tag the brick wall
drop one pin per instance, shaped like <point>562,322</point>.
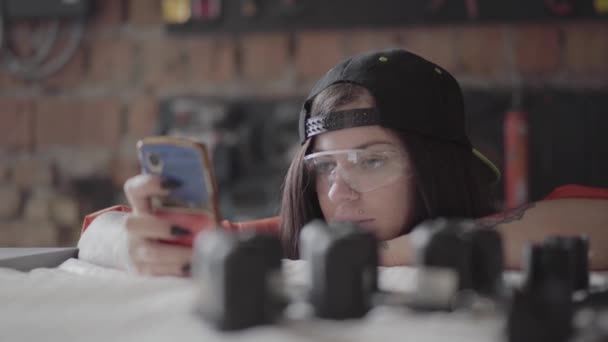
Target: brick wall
<point>82,122</point>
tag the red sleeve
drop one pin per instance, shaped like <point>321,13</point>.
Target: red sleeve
<point>267,225</point>
<point>577,191</point>
<point>89,218</point>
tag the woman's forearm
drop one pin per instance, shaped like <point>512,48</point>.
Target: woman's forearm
<point>530,223</point>
<point>536,221</point>
<point>104,242</point>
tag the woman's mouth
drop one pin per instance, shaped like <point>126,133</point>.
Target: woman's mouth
<point>362,222</point>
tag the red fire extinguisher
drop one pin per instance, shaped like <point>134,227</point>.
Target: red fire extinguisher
<point>516,158</point>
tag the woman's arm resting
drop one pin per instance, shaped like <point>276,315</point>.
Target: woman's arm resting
<point>531,223</point>
<point>535,221</point>
<point>104,242</point>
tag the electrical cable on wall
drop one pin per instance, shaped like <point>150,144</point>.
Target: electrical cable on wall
<point>45,44</point>
<point>40,65</point>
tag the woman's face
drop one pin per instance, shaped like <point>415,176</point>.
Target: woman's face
<point>386,209</point>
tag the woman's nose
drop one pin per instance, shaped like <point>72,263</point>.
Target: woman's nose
<point>341,191</point>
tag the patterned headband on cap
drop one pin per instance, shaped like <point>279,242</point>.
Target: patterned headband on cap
<point>341,119</point>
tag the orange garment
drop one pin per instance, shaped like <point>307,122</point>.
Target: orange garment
<point>272,224</point>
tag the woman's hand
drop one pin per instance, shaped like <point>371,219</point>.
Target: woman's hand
<point>396,252</point>
<point>146,254</point>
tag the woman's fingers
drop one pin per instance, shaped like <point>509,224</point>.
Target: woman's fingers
<point>156,258</point>
<point>146,254</point>
<point>152,227</point>
<point>396,252</point>
<point>164,270</point>
<point>151,251</point>
<point>140,188</point>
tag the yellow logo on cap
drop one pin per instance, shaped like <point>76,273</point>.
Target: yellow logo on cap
<point>383,59</point>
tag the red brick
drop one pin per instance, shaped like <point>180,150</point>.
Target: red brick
<point>317,52</point>
<point>365,40</point>
<point>79,161</point>
<point>30,172</point>
<point>145,12</point>
<point>109,13</point>
<point>166,62</point>
<point>64,211</point>
<point>94,122</point>
<point>175,61</point>
<point>434,44</point>
<point>28,234</point>
<point>10,197</point>
<point>112,60</point>
<point>10,81</point>
<point>37,209</point>
<point>224,61</point>
<point>265,56</point>
<point>73,72</point>
<point>68,236</point>
<point>8,234</point>
<point>213,59</point>
<point>143,117</point>
<point>481,50</point>
<point>537,49</point>
<point>586,49</point>
<point>6,171</point>
<point>15,125</point>
<point>123,168</point>
<point>201,53</point>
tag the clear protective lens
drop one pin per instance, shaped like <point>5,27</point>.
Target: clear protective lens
<point>363,170</point>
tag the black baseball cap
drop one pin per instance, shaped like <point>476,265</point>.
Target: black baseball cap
<point>411,93</point>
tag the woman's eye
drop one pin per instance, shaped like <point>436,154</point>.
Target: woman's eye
<point>325,167</point>
<point>373,162</point>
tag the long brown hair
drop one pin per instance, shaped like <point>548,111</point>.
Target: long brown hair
<point>447,181</point>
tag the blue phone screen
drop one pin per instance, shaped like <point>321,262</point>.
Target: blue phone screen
<point>183,164</point>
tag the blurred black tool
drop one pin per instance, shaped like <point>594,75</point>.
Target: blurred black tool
<point>343,260</point>
<point>240,278</point>
<point>472,252</point>
<point>544,308</point>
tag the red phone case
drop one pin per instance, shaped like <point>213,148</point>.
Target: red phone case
<point>195,222</point>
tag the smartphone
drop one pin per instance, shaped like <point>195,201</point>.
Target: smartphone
<point>193,204</point>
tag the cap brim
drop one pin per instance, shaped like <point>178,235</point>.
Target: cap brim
<point>490,171</point>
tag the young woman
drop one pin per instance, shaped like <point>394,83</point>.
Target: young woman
<point>383,145</point>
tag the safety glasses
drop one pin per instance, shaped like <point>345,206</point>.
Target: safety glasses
<point>362,170</point>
